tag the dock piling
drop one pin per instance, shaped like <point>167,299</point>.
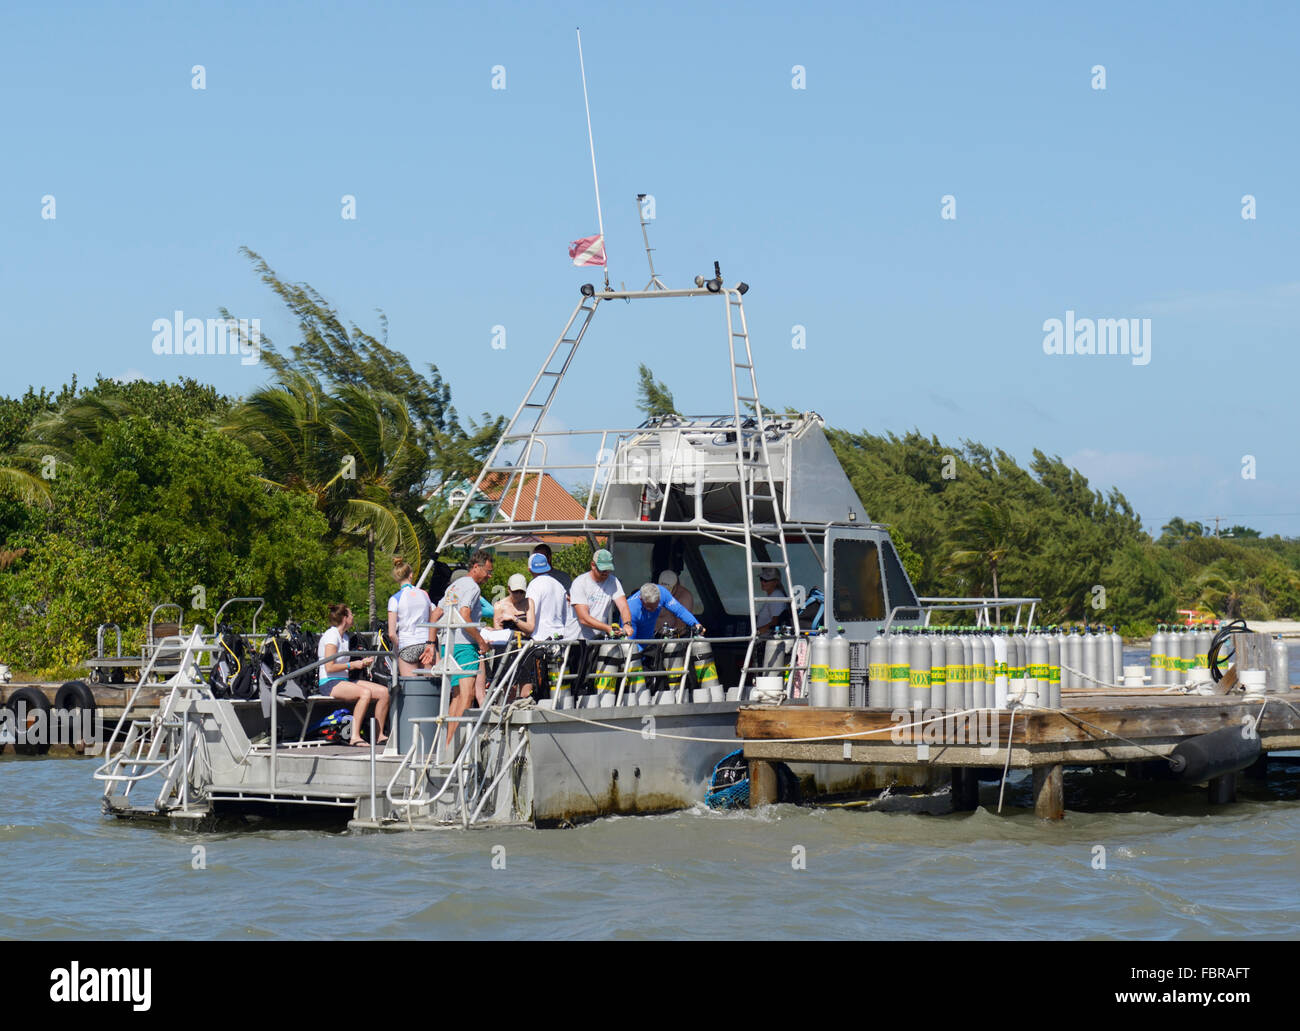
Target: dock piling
<point>1049,792</point>
<point>762,783</point>
<point>1223,790</point>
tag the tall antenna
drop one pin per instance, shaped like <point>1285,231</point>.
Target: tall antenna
<point>655,282</point>
<point>600,221</point>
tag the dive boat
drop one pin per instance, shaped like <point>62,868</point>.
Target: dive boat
<point>713,499</point>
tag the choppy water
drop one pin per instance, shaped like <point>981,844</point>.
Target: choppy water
<point>1175,868</point>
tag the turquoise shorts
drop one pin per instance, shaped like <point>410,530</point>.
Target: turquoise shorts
<point>466,656</point>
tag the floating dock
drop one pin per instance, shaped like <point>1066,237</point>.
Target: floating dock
<point>1092,728</point>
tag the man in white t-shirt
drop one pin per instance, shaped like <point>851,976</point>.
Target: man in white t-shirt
<point>552,613</point>
<point>553,619</point>
<point>596,594</point>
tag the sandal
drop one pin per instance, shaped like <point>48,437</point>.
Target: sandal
<point>359,743</point>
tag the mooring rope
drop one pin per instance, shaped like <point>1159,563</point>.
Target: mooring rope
<point>568,715</point>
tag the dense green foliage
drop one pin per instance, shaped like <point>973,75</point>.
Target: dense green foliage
<point>977,520</point>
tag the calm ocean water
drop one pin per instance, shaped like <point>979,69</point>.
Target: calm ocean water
<point>1174,869</point>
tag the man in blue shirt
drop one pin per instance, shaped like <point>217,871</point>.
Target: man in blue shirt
<point>644,609</point>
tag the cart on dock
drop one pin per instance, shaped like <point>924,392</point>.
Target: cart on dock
<point>112,669</point>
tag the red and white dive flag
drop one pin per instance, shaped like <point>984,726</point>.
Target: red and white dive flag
<point>590,250</point>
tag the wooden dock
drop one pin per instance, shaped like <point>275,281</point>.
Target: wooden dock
<point>1092,728</point>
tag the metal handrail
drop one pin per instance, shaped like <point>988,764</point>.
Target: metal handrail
<point>498,688</point>
<point>164,646</point>
<point>294,674</point>
<point>99,640</point>
<point>216,620</point>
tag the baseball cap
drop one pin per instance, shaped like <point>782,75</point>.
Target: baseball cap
<point>768,573</point>
<point>518,582</point>
<point>604,561</point>
<point>538,564</point>
<point>668,578</point>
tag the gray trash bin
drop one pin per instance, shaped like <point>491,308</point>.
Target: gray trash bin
<point>417,698</point>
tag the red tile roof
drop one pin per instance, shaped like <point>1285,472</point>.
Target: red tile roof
<point>553,502</point>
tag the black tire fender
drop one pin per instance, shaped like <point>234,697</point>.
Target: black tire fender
<point>34,706</point>
<point>75,694</point>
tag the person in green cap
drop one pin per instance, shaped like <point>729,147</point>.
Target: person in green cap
<point>596,594</point>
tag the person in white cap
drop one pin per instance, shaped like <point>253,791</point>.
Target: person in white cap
<point>516,610</point>
<point>595,596</point>
<point>776,610</point>
<point>681,594</point>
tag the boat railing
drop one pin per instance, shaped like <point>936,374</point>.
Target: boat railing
<point>144,749</point>
<point>456,771</point>
<point>985,609</point>
<point>666,452</point>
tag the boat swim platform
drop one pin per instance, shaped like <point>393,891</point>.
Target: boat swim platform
<point>1093,728</point>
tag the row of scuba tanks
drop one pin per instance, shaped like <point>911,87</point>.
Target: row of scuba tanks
<point>1178,652</point>
<point>963,667</point>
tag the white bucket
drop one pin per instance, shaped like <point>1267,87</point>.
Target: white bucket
<point>1135,676</point>
<point>1253,680</point>
<point>769,690</point>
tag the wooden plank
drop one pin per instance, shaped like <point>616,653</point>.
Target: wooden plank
<point>869,726</point>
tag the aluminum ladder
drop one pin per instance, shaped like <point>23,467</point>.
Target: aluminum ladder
<point>754,469</point>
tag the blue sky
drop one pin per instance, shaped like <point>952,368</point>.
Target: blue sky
<point>1117,203</point>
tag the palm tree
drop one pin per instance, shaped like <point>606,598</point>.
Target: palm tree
<point>988,535</point>
<point>31,490</point>
<point>353,451</point>
<point>390,471</point>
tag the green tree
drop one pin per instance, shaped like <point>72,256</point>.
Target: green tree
<point>341,354</point>
<point>654,399</point>
<point>987,536</point>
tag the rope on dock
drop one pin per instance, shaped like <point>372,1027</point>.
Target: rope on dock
<point>1003,786</point>
<point>568,715</point>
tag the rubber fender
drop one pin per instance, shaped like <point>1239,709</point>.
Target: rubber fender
<point>1214,754</point>
<point>32,701</point>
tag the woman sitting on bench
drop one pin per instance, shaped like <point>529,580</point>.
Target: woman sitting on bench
<point>334,676</point>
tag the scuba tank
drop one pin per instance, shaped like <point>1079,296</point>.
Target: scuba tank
<point>1280,678</point>
<point>1158,640</point>
<point>838,653</point>
<point>1038,688</point>
<point>1017,665</point>
<point>1203,639</point>
<point>918,661</point>
<point>1072,656</point>
<point>1053,698</point>
<point>956,673</point>
<point>1000,678</point>
<point>1105,657</point>
<point>1089,656</point>
<point>899,690</point>
<point>939,671</point>
<point>878,671</point>
<point>819,678</point>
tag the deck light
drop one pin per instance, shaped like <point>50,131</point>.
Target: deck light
<point>587,290</point>
<point>742,288</point>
